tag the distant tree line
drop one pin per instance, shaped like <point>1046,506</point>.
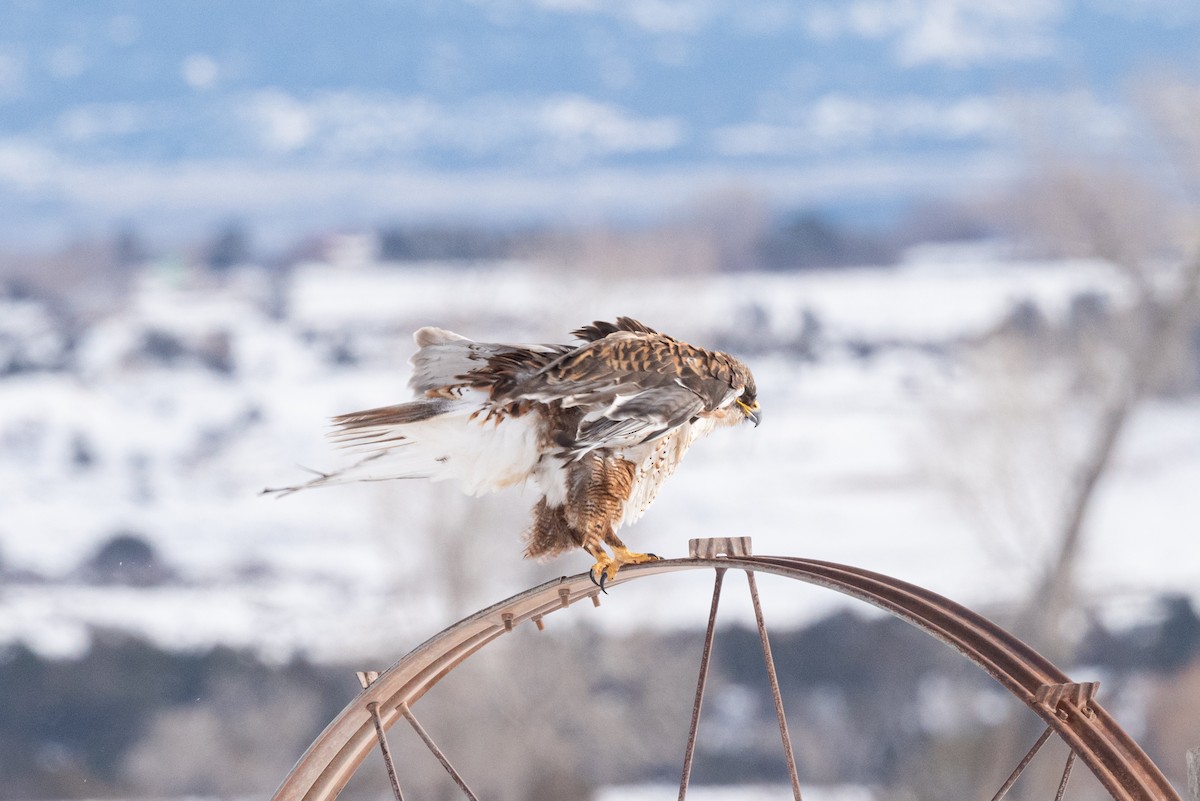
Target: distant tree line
<point>736,231</point>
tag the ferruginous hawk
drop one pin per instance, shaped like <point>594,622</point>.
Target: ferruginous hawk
<point>598,425</point>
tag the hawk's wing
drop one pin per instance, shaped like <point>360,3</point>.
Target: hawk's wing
<point>446,363</point>
<point>633,418</point>
<point>632,387</point>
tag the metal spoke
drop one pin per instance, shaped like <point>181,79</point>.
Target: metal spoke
<point>437,752</point>
<point>700,682</point>
<point>386,750</point>
<point>366,678</point>
<point>1024,763</point>
<point>774,681</point>
<point>1062,786</point>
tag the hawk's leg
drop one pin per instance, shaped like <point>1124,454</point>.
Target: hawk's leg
<point>600,489</point>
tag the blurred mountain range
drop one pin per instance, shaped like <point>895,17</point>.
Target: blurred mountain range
<point>341,113</point>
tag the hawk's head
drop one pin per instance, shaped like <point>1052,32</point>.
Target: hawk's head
<point>748,400</point>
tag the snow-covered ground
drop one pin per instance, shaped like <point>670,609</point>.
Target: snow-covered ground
<point>173,443</point>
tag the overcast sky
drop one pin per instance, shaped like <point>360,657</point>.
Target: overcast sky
<point>175,116</point>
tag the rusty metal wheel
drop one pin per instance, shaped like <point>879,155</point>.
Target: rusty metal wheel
<point>1068,709</point>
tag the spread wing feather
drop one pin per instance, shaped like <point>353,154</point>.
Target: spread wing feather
<point>445,362</point>
<point>601,328</point>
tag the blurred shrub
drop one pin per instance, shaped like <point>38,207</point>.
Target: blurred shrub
<point>130,719</point>
<point>126,558</point>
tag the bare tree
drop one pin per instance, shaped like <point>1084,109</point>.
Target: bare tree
<point>1029,452</point>
<point>1118,219</point>
<point>1056,404</point>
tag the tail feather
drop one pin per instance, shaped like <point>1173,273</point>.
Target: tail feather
<point>373,426</point>
<point>437,439</point>
<point>322,479</point>
<point>462,426</point>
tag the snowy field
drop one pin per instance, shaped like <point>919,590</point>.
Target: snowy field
<point>849,465</point>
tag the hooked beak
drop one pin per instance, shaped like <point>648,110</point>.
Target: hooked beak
<point>753,414</point>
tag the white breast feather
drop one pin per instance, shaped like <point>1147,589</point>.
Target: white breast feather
<point>663,456</point>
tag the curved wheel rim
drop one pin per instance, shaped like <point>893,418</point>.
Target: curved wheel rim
<point>1067,708</point>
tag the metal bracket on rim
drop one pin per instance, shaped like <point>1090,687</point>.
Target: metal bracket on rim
<point>712,547</point>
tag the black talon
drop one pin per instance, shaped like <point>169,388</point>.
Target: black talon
<point>592,576</point>
<point>603,578</point>
<point>654,556</point>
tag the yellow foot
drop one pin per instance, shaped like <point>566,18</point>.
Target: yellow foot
<point>628,557</point>
<point>606,567</point>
